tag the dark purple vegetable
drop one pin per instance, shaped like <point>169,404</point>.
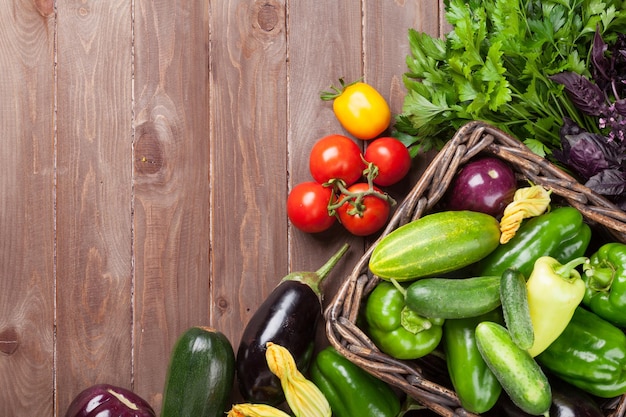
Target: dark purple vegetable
<point>104,400</point>
<point>287,317</point>
<point>486,185</point>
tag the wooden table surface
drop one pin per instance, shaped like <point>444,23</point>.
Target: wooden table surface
<point>147,150</point>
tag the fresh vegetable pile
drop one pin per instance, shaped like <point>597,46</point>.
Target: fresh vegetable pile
<point>347,183</point>
<point>514,291</point>
<point>551,73</point>
<point>509,317</point>
<point>527,326</point>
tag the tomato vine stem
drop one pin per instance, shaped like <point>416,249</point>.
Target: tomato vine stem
<point>355,199</point>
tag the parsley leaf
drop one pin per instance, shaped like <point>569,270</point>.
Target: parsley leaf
<point>496,65</point>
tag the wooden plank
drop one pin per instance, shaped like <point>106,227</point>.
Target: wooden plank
<point>248,158</point>
<point>386,47</point>
<point>94,189</point>
<point>171,183</point>
<point>386,42</point>
<point>26,210</point>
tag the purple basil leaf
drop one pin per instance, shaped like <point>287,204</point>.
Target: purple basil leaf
<point>585,95</point>
<point>620,106</point>
<point>619,66</point>
<point>588,153</point>
<point>610,182</point>
<point>569,128</point>
<point>601,64</point>
<point>586,157</point>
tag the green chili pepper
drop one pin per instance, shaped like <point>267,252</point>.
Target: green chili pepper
<point>560,233</point>
<point>605,277</point>
<point>554,292</point>
<point>475,384</point>
<point>590,354</point>
<point>395,329</point>
<point>350,390</point>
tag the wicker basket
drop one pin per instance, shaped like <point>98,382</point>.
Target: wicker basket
<point>425,379</point>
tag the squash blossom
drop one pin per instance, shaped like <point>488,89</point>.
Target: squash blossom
<point>527,202</point>
<point>255,410</point>
<point>302,395</point>
<point>554,292</point>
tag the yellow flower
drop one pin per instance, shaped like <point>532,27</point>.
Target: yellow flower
<point>255,410</point>
<point>527,202</point>
<point>303,396</point>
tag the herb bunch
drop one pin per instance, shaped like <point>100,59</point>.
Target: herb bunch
<point>598,158</point>
<point>496,65</point>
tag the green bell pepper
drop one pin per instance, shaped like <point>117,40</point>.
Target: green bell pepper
<point>605,279</point>
<point>350,390</point>
<point>590,354</point>
<point>560,233</point>
<point>475,384</point>
<point>397,330</point>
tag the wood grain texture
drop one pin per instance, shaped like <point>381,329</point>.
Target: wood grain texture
<point>171,182</point>
<point>248,162</point>
<point>27,211</point>
<point>94,192</point>
<point>149,148</point>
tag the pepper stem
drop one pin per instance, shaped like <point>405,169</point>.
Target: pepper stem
<point>315,279</point>
<point>567,270</point>
<point>600,277</point>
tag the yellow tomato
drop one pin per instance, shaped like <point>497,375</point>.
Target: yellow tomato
<point>360,109</point>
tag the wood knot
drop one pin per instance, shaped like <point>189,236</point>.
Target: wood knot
<point>8,341</point>
<point>222,305</point>
<point>268,17</point>
<point>148,152</point>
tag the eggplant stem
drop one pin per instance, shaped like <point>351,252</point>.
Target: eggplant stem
<point>315,279</point>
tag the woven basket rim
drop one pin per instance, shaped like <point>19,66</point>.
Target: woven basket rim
<point>471,139</point>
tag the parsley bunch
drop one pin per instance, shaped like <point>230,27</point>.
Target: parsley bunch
<point>495,65</point>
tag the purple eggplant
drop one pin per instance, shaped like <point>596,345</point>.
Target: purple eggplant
<point>287,317</point>
<point>104,400</point>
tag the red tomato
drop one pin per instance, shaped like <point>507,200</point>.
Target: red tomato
<point>336,156</point>
<point>392,159</point>
<point>374,212</point>
<point>307,207</point>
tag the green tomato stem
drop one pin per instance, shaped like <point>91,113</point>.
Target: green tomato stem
<point>336,91</point>
<point>355,199</point>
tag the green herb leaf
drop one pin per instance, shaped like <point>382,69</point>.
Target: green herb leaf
<point>495,65</point>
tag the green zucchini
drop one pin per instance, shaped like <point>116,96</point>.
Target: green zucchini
<point>518,373</point>
<point>200,375</point>
<point>453,298</point>
<point>435,244</point>
<point>514,297</point>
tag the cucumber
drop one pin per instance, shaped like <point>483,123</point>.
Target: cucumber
<point>435,244</point>
<point>514,297</point>
<point>200,375</point>
<point>518,373</point>
<point>453,298</point>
